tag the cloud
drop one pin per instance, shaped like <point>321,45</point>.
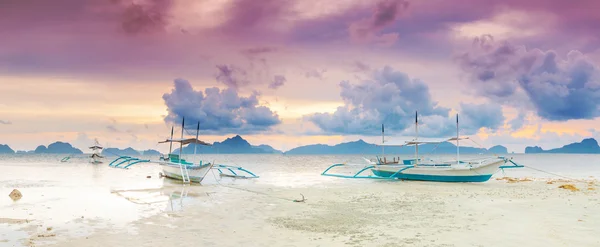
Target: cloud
<point>315,73</point>
<point>250,18</point>
<point>251,52</point>
<point>557,89</point>
<point>147,16</point>
<point>232,76</point>
<point>518,122</point>
<point>112,128</point>
<point>5,122</point>
<point>360,66</point>
<point>384,14</point>
<point>390,97</point>
<point>477,116</point>
<point>277,82</point>
<point>219,111</point>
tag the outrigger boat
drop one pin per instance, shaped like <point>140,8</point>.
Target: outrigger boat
<point>175,167</point>
<point>96,157</point>
<point>475,170</point>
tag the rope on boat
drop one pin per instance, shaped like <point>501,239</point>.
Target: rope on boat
<point>257,192</point>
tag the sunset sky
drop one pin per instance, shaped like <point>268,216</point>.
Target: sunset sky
<point>291,72</point>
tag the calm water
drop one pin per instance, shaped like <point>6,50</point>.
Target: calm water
<point>75,196</point>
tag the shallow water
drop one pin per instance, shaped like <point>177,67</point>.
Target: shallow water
<point>75,197</point>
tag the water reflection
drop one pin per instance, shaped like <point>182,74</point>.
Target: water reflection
<point>171,198</point>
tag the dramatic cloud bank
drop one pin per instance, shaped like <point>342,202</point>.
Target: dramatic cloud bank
<point>219,111</point>
<point>392,98</point>
<point>558,89</point>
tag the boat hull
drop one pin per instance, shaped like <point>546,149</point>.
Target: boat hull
<point>173,171</point>
<point>444,173</point>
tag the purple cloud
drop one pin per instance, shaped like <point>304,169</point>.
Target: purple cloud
<point>384,14</point>
<point>148,17</point>
<point>558,89</point>
<point>232,76</point>
<point>315,73</point>
<point>391,97</point>
<point>219,111</point>
<point>250,52</point>
<point>277,82</point>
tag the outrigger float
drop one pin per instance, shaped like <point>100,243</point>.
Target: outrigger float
<point>175,167</point>
<point>475,170</point>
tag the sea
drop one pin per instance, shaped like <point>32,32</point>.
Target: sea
<point>67,196</point>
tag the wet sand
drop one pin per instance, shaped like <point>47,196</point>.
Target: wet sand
<point>362,213</point>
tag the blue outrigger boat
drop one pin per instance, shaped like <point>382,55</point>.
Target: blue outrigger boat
<point>475,170</point>
<point>175,167</point>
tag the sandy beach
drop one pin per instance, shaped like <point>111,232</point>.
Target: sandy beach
<point>362,213</point>
<point>77,204</point>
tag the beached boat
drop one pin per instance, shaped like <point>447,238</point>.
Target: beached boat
<point>96,158</point>
<point>175,167</point>
<point>474,170</point>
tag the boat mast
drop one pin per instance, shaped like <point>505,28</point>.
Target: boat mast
<point>417,139</point>
<point>382,142</point>
<point>196,141</point>
<point>171,145</point>
<point>181,142</point>
<point>457,144</point>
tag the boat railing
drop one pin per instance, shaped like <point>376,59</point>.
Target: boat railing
<point>401,168</point>
<point>125,162</point>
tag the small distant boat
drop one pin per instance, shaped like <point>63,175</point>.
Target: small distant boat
<point>175,167</point>
<point>475,170</point>
<point>96,158</point>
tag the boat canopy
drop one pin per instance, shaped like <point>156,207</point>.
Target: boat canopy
<point>187,141</point>
<point>458,138</point>
<point>95,147</point>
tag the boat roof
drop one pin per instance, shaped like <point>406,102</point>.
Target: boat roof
<point>458,138</point>
<point>186,141</point>
<point>96,147</point>
<point>413,142</point>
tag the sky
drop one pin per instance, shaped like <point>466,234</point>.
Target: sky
<point>296,72</point>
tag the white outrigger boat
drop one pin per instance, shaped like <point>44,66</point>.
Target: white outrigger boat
<point>475,170</point>
<point>96,158</point>
<point>175,167</point>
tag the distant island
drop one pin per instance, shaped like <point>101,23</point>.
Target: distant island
<point>127,152</point>
<point>362,147</point>
<point>587,146</point>
<point>5,149</point>
<point>233,145</point>
<point>57,148</point>
<point>238,145</point>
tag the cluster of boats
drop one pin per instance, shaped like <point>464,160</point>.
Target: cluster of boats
<point>473,170</point>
